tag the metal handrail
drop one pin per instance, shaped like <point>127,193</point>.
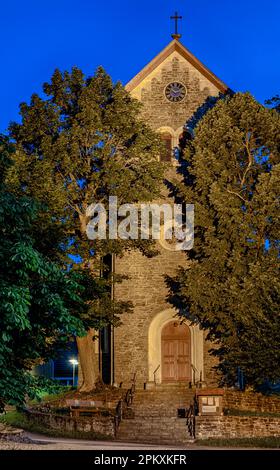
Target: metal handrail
<point>119,413</point>
<point>155,371</point>
<point>192,412</point>
<point>191,420</point>
<point>127,400</point>
<point>194,373</point>
<point>130,393</point>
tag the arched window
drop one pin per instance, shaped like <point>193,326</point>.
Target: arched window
<point>166,152</point>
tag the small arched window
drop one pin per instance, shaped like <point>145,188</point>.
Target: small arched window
<point>166,151</point>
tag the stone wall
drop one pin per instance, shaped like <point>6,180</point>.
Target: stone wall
<point>147,289</point>
<point>160,112</point>
<point>229,427</point>
<point>99,426</point>
<point>251,401</point>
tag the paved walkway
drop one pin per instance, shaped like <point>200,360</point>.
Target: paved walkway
<point>81,444</point>
<point>41,442</point>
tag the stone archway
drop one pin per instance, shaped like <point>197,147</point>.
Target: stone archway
<point>155,347</point>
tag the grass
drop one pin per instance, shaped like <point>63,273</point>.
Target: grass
<point>49,397</point>
<point>259,442</point>
<point>19,420</point>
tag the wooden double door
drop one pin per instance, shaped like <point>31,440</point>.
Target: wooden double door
<point>176,352</point>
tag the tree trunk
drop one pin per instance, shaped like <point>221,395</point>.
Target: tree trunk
<point>86,345</point>
<point>86,359</point>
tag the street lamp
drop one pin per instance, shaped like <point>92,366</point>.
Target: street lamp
<point>74,363</point>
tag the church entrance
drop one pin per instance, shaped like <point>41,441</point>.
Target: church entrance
<point>176,352</point>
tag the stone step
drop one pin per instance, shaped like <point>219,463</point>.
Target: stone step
<point>162,408</point>
<point>166,386</point>
<point>162,439</point>
<point>156,423</point>
<point>167,439</point>
<point>171,402</point>
<point>154,430</point>
<point>160,401</point>
<point>165,389</point>
<point>161,398</point>
<point>153,416</point>
<point>157,420</point>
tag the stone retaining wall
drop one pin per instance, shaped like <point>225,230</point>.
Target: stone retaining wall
<point>251,401</point>
<point>236,427</point>
<point>97,425</point>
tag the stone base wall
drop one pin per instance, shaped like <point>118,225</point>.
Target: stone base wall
<point>229,427</point>
<point>98,426</point>
<point>251,401</point>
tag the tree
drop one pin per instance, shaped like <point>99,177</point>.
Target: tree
<point>274,103</point>
<point>40,305</point>
<point>81,143</point>
<point>232,287</point>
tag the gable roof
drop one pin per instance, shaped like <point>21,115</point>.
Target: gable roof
<point>173,46</point>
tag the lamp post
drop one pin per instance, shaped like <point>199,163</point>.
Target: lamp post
<point>74,363</point>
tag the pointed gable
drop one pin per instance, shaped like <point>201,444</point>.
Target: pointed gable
<point>173,47</point>
<point>174,69</point>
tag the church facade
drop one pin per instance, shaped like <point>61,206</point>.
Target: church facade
<point>152,342</point>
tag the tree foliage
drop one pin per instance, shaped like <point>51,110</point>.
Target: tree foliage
<point>40,304</point>
<point>80,143</point>
<point>274,103</point>
<point>232,287</point>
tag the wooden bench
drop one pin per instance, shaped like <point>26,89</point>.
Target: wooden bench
<point>83,406</point>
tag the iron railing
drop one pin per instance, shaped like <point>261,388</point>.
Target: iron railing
<point>119,413</point>
<point>126,401</point>
<point>155,371</point>
<point>130,392</point>
<point>192,411</point>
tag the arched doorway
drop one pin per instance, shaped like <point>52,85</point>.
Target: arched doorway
<point>176,352</point>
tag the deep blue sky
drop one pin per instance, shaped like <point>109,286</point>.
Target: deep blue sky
<point>237,39</point>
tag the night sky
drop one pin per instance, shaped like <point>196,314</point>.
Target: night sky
<point>237,39</point>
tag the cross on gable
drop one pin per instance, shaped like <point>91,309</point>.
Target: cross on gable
<point>176,17</point>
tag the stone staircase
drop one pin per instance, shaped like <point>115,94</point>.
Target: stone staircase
<point>153,416</point>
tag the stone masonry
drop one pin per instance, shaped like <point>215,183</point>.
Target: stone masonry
<point>147,289</point>
<point>154,416</point>
<point>229,427</point>
<point>251,401</point>
<point>146,286</point>
<point>158,110</point>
